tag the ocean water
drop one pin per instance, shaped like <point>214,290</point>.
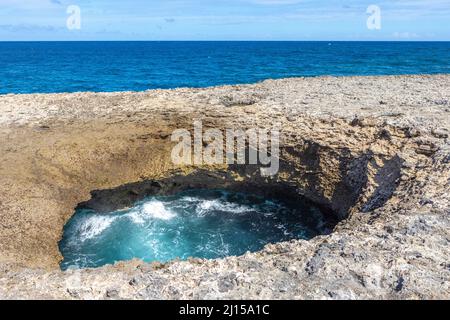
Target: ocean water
<point>44,67</point>
<point>196,223</point>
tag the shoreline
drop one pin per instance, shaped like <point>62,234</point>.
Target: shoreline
<point>374,137</point>
<point>325,76</point>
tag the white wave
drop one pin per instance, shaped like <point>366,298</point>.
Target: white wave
<point>209,205</point>
<point>156,210</point>
<point>94,226</point>
<point>136,216</point>
<point>190,199</point>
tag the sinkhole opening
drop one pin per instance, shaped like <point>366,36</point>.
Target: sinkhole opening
<point>197,223</point>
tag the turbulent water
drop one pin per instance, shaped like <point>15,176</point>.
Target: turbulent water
<point>39,67</point>
<point>196,223</point>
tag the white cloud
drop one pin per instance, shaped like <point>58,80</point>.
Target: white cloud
<point>29,4</point>
<point>405,35</point>
<point>275,2</point>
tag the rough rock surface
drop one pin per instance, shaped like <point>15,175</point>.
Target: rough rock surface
<point>375,150</point>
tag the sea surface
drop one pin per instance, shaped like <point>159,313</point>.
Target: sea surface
<point>196,223</point>
<point>46,67</point>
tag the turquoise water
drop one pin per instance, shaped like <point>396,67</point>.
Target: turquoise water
<point>39,67</point>
<point>197,223</point>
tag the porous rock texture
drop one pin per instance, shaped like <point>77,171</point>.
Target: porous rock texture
<point>374,151</point>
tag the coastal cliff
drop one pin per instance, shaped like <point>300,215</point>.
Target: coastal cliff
<point>373,151</point>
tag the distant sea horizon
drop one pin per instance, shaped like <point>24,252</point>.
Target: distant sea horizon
<point>110,66</point>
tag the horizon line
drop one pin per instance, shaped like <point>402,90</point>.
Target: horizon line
<point>409,40</point>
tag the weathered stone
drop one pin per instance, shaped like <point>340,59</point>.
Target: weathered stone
<point>389,192</point>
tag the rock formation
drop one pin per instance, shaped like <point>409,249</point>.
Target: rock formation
<point>374,151</point>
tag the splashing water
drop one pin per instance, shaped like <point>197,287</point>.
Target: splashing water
<point>196,223</point>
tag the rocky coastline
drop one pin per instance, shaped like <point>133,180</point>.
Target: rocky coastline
<point>374,151</point>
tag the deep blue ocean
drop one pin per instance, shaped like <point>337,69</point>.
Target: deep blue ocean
<point>31,67</point>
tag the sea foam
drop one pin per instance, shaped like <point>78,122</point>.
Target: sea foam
<point>156,209</point>
<point>93,226</point>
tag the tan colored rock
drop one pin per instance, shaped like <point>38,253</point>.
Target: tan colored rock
<point>384,168</point>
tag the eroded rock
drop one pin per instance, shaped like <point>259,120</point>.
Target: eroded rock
<point>384,174</point>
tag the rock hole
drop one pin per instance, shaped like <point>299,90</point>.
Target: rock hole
<point>199,223</point>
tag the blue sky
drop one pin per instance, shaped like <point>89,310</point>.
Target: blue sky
<point>224,20</point>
